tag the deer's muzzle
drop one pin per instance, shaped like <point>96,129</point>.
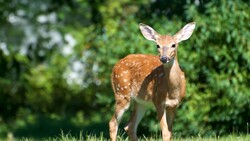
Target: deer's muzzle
<point>165,59</point>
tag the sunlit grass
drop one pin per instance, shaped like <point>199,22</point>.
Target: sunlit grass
<point>81,137</point>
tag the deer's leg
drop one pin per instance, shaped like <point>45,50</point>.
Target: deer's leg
<point>134,121</point>
<point>170,117</point>
<point>121,106</point>
<point>161,113</point>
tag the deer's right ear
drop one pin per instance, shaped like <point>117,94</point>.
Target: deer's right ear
<point>148,32</point>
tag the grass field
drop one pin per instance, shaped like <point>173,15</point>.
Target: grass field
<point>69,137</point>
<point>226,138</point>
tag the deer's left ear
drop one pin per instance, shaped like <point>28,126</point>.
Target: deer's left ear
<point>185,32</point>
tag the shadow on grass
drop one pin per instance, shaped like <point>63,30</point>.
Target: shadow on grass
<point>45,127</point>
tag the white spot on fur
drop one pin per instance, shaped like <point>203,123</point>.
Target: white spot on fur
<point>125,71</point>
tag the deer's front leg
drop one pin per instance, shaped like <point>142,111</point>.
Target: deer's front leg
<point>170,117</point>
<point>161,113</point>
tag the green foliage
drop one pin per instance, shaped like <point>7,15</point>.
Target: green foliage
<point>219,71</point>
<point>56,58</point>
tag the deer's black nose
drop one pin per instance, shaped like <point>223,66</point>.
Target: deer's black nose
<point>164,59</point>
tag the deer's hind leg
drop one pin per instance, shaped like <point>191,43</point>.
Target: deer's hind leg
<point>131,128</point>
<point>121,105</point>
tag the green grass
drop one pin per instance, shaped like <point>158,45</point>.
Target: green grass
<point>80,137</point>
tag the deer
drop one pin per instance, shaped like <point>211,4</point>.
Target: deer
<point>150,80</point>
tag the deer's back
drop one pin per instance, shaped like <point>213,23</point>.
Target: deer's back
<point>135,70</point>
<point>135,66</point>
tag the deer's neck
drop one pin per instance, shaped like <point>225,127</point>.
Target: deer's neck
<point>172,71</point>
<point>171,66</point>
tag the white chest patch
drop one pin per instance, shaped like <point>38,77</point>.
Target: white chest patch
<point>171,102</point>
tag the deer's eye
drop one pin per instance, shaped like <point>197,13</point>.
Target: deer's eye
<point>158,46</point>
<point>173,46</point>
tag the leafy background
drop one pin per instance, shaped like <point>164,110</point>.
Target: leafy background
<point>56,57</point>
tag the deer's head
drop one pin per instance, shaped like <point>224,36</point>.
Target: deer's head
<point>167,45</point>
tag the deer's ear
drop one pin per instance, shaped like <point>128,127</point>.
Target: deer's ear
<point>148,32</point>
<point>185,32</point>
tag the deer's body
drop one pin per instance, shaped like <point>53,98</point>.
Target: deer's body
<point>149,80</point>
